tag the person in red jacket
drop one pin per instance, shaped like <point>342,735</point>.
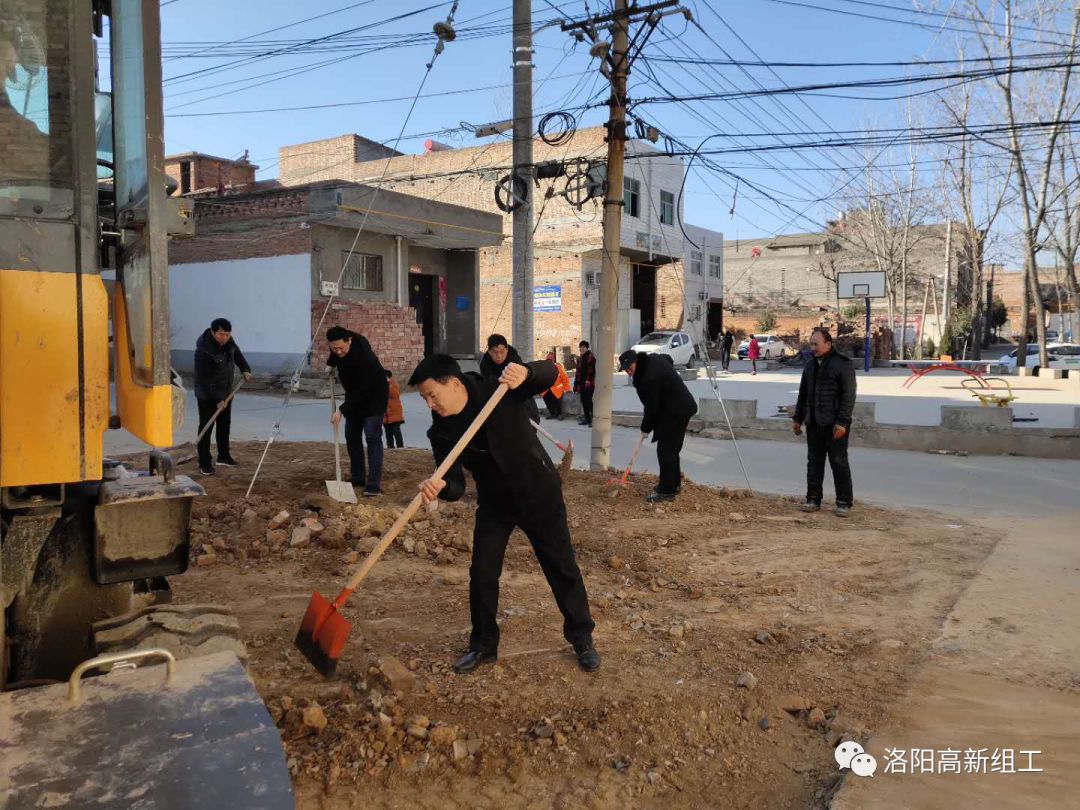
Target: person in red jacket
<point>395,414</point>
<point>753,352</point>
<point>585,382</point>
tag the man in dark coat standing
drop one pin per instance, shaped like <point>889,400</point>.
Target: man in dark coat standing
<point>826,400</point>
<point>517,486</point>
<point>585,381</point>
<point>669,405</point>
<point>498,356</point>
<point>364,407</point>
<point>216,353</point>
<point>725,347</point>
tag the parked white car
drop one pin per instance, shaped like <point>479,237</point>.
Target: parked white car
<point>676,345</point>
<point>771,347</point>
<point>1060,355</point>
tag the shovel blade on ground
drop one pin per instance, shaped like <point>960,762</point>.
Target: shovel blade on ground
<point>341,491</point>
<point>322,634</point>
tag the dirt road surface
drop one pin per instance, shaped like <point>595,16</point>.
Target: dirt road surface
<point>741,639</point>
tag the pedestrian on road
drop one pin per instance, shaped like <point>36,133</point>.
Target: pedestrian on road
<point>585,381</point>
<point>517,486</point>
<point>826,400</point>
<point>364,408</point>
<point>395,414</point>
<point>753,352</point>
<point>726,344</point>
<point>668,407</point>
<point>553,396</point>
<point>498,356</point>
<point>216,353</point>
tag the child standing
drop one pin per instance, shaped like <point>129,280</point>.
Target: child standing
<point>395,416</point>
<point>753,352</point>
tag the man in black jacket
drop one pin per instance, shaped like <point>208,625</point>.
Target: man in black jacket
<point>498,356</point>
<point>668,407</point>
<point>366,393</point>
<point>585,382</point>
<point>826,400</point>
<point>215,355</point>
<point>725,347</point>
<point>517,486</point>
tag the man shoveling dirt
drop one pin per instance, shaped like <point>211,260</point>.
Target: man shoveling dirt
<point>517,487</point>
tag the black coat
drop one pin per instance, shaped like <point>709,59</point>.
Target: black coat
<point>586,371</point>
<point>728,341</point>
<point>489,368</point>
<point>513,473</point>
<point>668,402</point>
<point>364,379</point>
<point>827,393</point>
<point>214,367</point>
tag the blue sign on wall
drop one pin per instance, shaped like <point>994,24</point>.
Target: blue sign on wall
<point>547,298</point>
<point>462,303</point>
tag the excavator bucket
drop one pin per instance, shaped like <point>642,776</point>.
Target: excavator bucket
<point>191,733</point>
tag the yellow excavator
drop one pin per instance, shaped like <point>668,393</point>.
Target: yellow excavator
<point>111,696</point>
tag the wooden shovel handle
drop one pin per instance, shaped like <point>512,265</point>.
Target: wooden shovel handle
<point>221,407</point>
<point>414,505</point>
<point>539,429</point>
<point>337,440</point>
<point>633,458</point>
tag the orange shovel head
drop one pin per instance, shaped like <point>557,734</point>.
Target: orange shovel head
<point>322,634</point>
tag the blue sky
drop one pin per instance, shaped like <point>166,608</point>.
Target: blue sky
<point>778,197</point>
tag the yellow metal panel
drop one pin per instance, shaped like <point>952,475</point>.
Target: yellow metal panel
<point>145,411</point>
<point>39,378</point>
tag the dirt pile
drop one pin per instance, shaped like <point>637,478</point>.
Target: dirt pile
<point>741,640</point>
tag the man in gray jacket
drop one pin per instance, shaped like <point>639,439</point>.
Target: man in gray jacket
<point>826,400</point>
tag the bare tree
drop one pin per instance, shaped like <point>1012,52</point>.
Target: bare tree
<point>1032,154</point>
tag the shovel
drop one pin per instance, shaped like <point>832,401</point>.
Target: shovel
<point>621,482</point>
<point>213,418</point>
<point>567,449</point>
<point>324,630</point>
<point>337,489</point>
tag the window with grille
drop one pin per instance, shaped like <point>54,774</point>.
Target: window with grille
<point>667,208</point>
<point>716,266</point>
<point>695,262</point>
<point>631,196</point>
<point>363,271</point>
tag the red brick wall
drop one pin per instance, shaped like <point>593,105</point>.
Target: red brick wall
<point>392,331</point>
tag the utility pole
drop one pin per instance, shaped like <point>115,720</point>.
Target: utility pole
<point>521,182</point>
<point>946,310</point>
<point>600,458</point>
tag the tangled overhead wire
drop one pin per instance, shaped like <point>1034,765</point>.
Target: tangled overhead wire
<point>566,127</point>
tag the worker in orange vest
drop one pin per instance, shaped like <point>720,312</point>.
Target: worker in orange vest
<point>553,396</point>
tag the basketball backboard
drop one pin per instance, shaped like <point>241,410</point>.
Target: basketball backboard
<point>869,284</point>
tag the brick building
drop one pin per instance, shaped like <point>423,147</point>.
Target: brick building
<point>269,261</point>
<point>194,172</point>
<point>568,240</point>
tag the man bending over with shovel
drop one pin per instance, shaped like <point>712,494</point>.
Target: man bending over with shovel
<point>517,487</point>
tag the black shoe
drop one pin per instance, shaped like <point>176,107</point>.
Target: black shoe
<point>227,461</point>
<point>206,468</point>
<point>582,421</point>
<point>371,492</point>
<point>588,659</point>
<point>474,658</point>
<point>657,497</point>
<point>842,510</point>
<point>811,506</point>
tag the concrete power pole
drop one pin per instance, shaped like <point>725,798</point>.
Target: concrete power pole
<point>946,310</point>
<point>522,182</point>
<point>600,458</point>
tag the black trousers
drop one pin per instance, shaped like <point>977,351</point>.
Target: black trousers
<point>554,404</point>
<point>357,431</point>
<point>669,444</point>
<point>550,538</point>
<point>393,434</point>
<point>221,428</point>
<point>725,359</point>
<point>586,395</point>
<point>819,445</point>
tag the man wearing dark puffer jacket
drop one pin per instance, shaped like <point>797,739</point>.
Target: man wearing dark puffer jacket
<point>826,400</point>
<point>498,356</point>
<point>215,355</point>
<point>669,406</point>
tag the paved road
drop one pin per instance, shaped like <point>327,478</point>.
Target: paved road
<point>970,486</point>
